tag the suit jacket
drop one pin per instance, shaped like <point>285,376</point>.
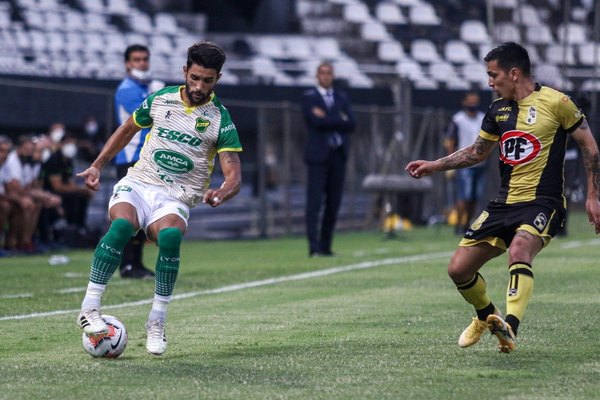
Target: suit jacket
<point>339,119</point>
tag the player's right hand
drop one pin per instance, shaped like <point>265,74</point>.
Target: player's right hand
<point>419,168</point>
<point>91,177</point>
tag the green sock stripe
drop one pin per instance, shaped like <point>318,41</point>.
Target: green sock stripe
<point>108,253</point>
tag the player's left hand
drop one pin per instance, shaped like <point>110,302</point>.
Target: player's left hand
<point>213,198</point>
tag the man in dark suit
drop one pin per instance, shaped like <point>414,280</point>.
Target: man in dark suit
<point>329,121</point>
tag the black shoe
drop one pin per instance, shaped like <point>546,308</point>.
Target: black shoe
<point>136,272</point>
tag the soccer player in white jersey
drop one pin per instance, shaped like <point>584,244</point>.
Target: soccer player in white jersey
<point>188,127</point>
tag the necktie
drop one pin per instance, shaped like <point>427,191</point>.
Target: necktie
<point>329,98</point>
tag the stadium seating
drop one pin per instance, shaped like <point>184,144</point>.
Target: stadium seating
<point>86,38</point>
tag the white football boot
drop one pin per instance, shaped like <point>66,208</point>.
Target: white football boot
<point>92,323</point>
<point>156,340</point>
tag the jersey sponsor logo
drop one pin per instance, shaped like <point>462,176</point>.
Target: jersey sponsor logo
<point>177,136</point>
<point>505,108</point>
<point>168,114</point>
<point>172,161</point>
<point>172,101</point>
<point>228,128</point>
<point>518,147</point>
<point>503,117</point>
<point>531,115</point>
<point>202,125</point>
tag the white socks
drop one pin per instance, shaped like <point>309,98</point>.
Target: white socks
<point>93,295</point>
<point>159,308</point>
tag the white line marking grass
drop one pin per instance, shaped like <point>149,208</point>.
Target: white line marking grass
<point>288,278</point>
<point>253,284</point>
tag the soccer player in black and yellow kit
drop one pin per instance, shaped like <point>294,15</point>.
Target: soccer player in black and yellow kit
<point>531,124</point>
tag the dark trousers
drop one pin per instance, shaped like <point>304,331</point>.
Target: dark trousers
<point>134,249</point>
<point>324,192</point>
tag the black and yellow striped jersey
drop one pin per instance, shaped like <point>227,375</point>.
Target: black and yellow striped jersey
<point>532,135</point>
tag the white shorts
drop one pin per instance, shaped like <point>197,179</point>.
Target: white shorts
<point>150,201</point>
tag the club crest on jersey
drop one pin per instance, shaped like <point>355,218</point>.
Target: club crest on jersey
<point>202,125</point>
<point>531,115</point>
<point>518,147</point>
<point>540,221</point>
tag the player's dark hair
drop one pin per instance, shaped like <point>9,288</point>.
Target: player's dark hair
<point>207,55</point>
<point>133,48</point>
<point>510,55</point>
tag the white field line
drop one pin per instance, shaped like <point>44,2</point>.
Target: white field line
<point>288,278</point>
<point>253,284</point>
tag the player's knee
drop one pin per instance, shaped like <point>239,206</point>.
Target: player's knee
<point>169,238</point>
<point>121,229</point>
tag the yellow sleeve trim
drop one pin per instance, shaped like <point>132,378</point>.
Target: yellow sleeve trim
<point>138,124</point>
<point>229,149</point>
<point>485,135</point>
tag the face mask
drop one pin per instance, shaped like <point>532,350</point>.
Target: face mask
<point>46,153</point>
<point>69,150</point>
<point>142,76</point>
<point>91,128</point>
<point>471,109</point>
<point>26,159</point>
<point>57,134</point>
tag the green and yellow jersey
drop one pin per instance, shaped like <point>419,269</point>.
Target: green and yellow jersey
<point>180,148</point>
<point>532,134</point>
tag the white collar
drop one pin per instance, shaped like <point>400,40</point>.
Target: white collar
<point>323,92</point>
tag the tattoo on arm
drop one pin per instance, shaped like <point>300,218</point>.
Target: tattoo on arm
<point>230,157</point>
<point>592,166</point>
<point>468,156</point>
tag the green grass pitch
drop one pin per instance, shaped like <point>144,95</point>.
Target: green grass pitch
<point>379,321</point>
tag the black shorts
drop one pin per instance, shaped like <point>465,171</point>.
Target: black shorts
<point>499,222</point>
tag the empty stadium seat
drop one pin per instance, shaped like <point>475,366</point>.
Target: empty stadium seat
<point>507,32</point>
<point>357,13</point>
<point>586,52</point>
<point>423,50</point>
<point>390,51</point>
<point>572,33</point>
<point>374,31</point>
<point>270,46</point>
<point>327,48</point>
<point>423,14</point>
<point>540,34</point>
<point>474,31</point>
<point>560,54</point>
<point>389,13</point>
<point>457,51</point>
<point>526,15</point>
<point>411,69</point>
<point>297,47</point>
<point>474,72</point>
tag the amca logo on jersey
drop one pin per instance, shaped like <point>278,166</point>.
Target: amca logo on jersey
<point>518,147</point>
<point>179,137</point>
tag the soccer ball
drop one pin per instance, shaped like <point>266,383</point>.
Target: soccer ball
<point>110,346</point>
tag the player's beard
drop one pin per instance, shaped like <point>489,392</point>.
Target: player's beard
<point>195,98</point>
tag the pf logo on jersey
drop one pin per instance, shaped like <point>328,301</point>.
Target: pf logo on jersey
<point>518,147</point>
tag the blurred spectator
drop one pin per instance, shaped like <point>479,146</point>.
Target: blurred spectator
<point>58,178</point>
<point>470,182</point>
<point>9,214</point>
<point>91,141</point>
<point>56,132</point>
<point>17,182</point>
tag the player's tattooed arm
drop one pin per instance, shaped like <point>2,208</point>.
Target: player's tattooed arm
<point>591,159</point>
<point>468,156</point>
